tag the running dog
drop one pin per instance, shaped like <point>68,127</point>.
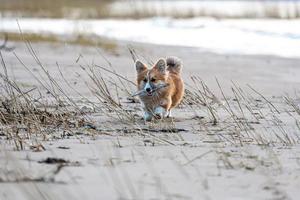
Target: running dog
<point>161,87</point>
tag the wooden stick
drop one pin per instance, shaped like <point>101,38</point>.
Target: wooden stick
<point>143,91</point>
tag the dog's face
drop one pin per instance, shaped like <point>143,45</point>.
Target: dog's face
<point>151,79</point>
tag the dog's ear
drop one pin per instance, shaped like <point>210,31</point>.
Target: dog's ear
<point>161,65</point>
<point>139,66</point>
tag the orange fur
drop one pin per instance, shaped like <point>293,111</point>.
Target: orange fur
<point>163,72</point>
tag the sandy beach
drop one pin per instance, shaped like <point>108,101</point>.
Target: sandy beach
<point>238,139</point>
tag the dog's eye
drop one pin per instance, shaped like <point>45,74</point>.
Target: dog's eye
<point>145,80</point>
<point>153,79</point>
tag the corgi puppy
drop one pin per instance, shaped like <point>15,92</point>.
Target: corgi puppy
<point>162,87</point>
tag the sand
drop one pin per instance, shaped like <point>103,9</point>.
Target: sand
<point>133,160</point>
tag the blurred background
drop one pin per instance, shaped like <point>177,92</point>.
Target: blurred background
<point>263,27</point>
<point>78,9</point>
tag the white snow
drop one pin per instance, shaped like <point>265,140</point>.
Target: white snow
<point>230,36</point>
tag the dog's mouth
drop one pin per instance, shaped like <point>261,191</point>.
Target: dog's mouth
<point>150,93</point>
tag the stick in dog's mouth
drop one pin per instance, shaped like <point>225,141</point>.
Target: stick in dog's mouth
<point>140,92</point>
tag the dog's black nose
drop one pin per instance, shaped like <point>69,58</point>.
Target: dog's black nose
<point>148,89</point>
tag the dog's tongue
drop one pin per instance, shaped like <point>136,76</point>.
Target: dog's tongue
<point>149,93</point>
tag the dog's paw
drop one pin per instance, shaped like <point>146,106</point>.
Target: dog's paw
<point>159,112</point>
<point>169,114</point>
<point>147,116</point>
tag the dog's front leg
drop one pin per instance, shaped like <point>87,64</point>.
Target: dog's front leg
<point>162,110</point>
<point>169,114</point>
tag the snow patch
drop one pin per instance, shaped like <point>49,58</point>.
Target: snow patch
<point>231,36</point>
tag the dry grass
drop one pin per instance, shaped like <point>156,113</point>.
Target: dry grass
<point>56,8</point>
<point>78,9</point>
<point>242,118</point>
<point>106,44</point>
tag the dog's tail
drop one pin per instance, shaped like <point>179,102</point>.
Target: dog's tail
<point>174,64</point>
